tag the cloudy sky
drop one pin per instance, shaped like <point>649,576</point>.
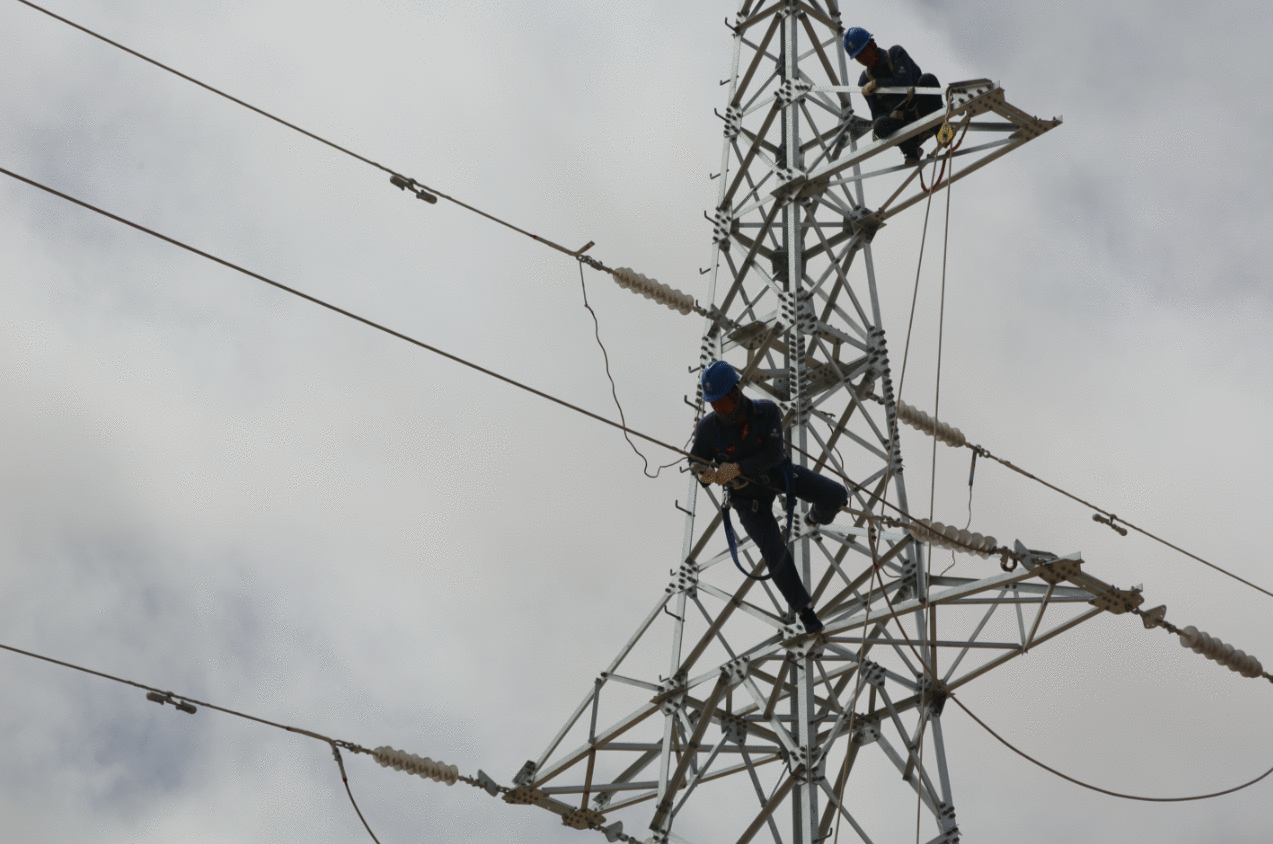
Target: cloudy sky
<point>215,488</point>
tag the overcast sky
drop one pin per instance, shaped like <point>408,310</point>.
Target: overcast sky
<point>215,488</point>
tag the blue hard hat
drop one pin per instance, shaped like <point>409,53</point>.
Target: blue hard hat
<point>855,40</point>
<point>718,380</point>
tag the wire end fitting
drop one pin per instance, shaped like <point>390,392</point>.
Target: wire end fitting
<point>163,697</point>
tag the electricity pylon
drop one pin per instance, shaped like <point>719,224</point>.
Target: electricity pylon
<point>747,721</point>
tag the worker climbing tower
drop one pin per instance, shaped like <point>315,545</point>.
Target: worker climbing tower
<point>719,719</point>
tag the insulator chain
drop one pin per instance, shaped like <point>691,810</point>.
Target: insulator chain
<point>921,421</point>
<point>949,536</point>
<point>632,280</point>
<point>1212,648</point>
<point>421,766</point>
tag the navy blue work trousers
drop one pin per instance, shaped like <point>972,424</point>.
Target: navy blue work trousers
<point>919,106</point>
<point>756,512</point>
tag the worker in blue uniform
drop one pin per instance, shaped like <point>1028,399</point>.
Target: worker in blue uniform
<point>744,438</point>
<point>892,69</point>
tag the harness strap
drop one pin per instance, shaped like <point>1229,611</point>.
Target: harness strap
<point>733,543</point>
<point>733,540</point>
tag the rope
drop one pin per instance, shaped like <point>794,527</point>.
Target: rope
<point>596,329</point>
<point>932,484</point>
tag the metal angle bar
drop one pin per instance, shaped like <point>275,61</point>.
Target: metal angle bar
<point>1020,616</point>
<point>778,796</point>
<point>995,663</point>
<point>826,21</point>
<point>841,779</point>
<point>1083,599</point>
<point>1026,586</point>
<point>781,734</point>
<point>759,53</point>
<point>618,729</point>
<point>844,813</point>
<point>649,745</point>
<point>1039,617</point>
<point>940,643</point>
<point>690,754</point>
<point>896,717</point>
<point>872,149</point>
<point>943,771</point>
<point>779,683</point>
<point>705,538</point>
<point>693,783</point>
<point>967,171</point>
<point>587,780</point>
<point>642,762</point>
<point>897,168</point>
<point>630,681</point>
<point>570,722</point>
<point>712,624</point>
<point>603,788</point>
<point>909,606</point>
<point>896,759</point>
<point>745,266</point>
<point>751,154</point>
<point>747,607</point>
<point>760,795</point>
<point>740,28</point>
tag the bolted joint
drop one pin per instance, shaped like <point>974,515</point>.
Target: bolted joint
<point>733,121</point>
<point>735,671</point>
<point>722,226</point>
<point>872,674</point>
<point>685,579</point>
<point>526,775</point>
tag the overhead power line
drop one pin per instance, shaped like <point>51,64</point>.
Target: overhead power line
<point>933,680</point>
<point>188,704</point>
<point>910,521</point>
<point>430,193</point>
<point>396,178</point>
<point>337,309</point>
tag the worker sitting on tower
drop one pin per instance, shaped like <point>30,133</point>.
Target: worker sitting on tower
<point>745,438</point>
<point>892,69</point>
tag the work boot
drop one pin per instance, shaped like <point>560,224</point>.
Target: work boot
<point>810,620</point>
<point>912,158</point>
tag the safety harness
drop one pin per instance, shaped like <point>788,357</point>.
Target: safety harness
<point>729,527</point>
<point>726,503</point>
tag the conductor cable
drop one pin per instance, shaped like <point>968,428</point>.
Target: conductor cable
<point>336,309</point>
<point>421,190</point>
<point>953,697</point>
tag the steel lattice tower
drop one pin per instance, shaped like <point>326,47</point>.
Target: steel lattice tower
<point>745,713</point>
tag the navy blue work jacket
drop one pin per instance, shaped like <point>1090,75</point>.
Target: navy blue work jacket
<point>755,444</point>
<point>895,69</point>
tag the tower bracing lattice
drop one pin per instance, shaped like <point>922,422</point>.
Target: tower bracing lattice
<point>719,720</point>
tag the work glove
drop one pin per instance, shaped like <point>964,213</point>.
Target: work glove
<point>707,475</point>
<point>727,472</point>
<point>869,88</point>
